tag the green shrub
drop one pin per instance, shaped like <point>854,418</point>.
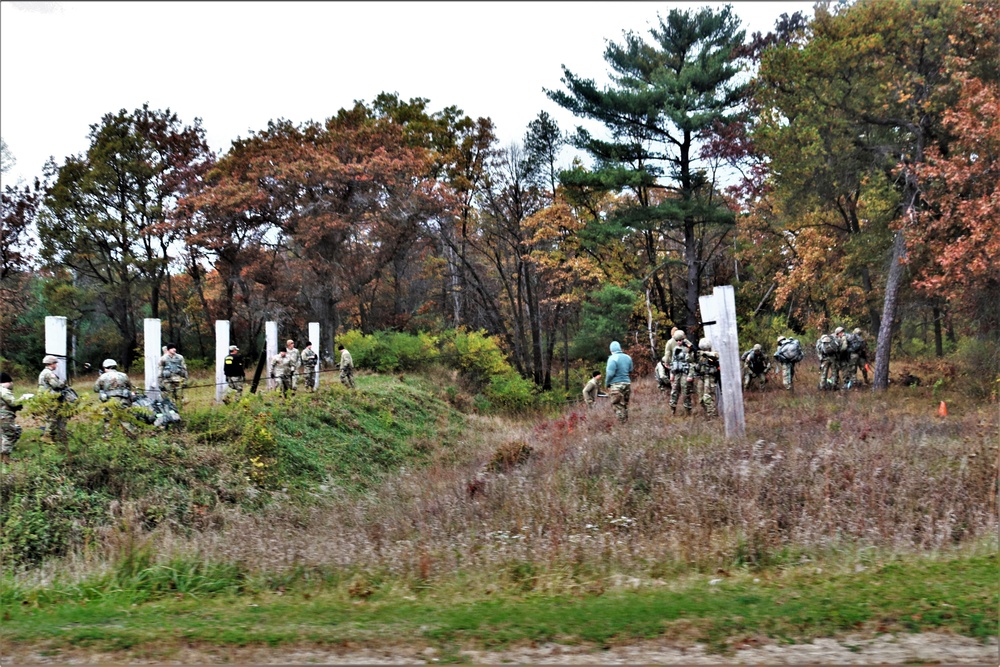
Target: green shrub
<point>475,354</point>
<point>511,392</point>
<point>391,351</point>
<point>980,362</point>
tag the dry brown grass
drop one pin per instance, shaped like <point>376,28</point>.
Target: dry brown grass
<point>818,474</point>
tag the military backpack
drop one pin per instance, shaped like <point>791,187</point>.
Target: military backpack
<point>790,351</point>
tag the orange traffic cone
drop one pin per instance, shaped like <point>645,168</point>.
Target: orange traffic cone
<point>942,410</point>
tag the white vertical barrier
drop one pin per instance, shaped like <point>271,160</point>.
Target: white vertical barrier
<point>221,352</point>
<point>152,351</point>
<point>271,345</point>
<point>729,362</point>
<point>314,339</point>
<point>710,306</point>
<point>55,342</point>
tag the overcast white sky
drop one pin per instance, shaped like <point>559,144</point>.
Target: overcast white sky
<point>237,65</point>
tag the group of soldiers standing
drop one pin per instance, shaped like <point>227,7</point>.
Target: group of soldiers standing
<point>289,364</point>
<point>113,385</point>
<point>686,370</point>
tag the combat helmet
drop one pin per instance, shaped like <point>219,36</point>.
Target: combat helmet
<point>705,344</point>
<point>109,363</point>
<point>49,359</point>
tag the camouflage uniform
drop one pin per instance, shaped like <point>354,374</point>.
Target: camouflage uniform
<point>830,364</point>
<point>9,431</point>
<point>708,379</point>
<point>294,356</point>
<point>662,376</point>
<point>786,347</point>
<point>308,359</point>
<point>590,391</point>
<point>755,366</point>
<point>49,382</point>
<point>857,361</point>
<point>115,384</point>
<point>282,371</point>
<point>346,369</point>
<point>682,375</point>
<point>173,373</point>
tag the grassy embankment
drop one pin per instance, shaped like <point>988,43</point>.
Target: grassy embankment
<point>841,513</point>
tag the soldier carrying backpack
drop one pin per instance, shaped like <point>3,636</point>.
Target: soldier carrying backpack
<point>788,354</point>
<point>831,348</point>
<point>857,349</point>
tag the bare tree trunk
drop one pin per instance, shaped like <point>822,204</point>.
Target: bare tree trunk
<point>938,342</point>
<point>880,381</point>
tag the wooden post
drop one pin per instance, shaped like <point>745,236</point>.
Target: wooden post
<point>271,345</point>
<point>314,339</point>
<point>55,342</point>
<point>221,352</point>
<point>729,362</point>
<point>152,351</point>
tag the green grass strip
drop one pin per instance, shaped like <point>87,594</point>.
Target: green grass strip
<point>958,595</point>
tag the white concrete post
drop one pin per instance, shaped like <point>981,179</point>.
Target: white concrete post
<point>314,339</point>
<point>55,342</point>
<point>152,350</point>
<point>729,362</point>
<point>710,313</point>
<point>271,345</point>
<point>221,352</point>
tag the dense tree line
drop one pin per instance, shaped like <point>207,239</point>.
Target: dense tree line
<point>839,170</point>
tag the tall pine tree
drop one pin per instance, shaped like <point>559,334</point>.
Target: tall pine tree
<point>666,97</point>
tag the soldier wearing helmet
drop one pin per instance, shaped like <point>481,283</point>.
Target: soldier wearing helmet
<point>113,385</point>
<point>857,349</point>
<point>755,367</point>
<point>668,356</point>
<point>49,382</point>
<point>707,374</point>
<point>682,378</point>
<point>788,353</point>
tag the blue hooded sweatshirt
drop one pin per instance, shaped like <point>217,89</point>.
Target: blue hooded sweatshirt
<point>619,366</point>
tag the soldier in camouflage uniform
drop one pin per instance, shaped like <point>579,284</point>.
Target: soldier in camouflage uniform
<point>173,374</point>
<point>296,361</point>
<point>859,357</point>
<point>282,371</point>
<point>707,370</point>
<point>232,368</point>
<point>346,367</point>
<point>618,380</point>
<point>681,372</point>
<point>755,367</point>
<point>49,382</point>
<point>9,406</point>
<point>308,359</point>
<point>787,346</point>
<point>676,336</point>
<point>114,385</point>
<point>830,348</point>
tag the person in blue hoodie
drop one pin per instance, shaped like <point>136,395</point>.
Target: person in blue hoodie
<point>618,381</point>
